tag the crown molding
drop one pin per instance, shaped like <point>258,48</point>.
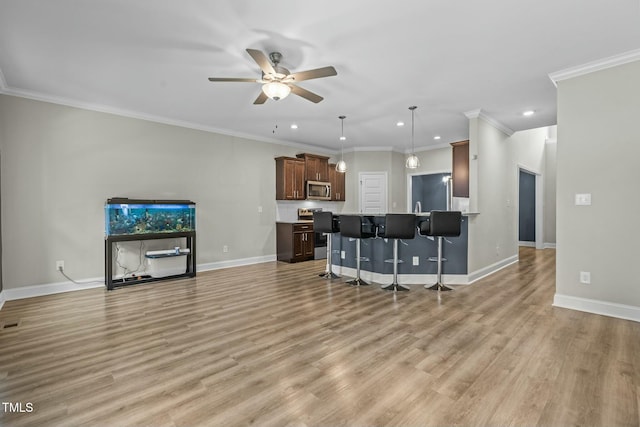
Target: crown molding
<point>475,114</point>
<point>155,119</point>
<point>593,66</point>
<point>356,149</point>
<point>430,148</point>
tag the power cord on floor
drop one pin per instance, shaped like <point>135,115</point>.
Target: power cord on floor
<point>61,270</point>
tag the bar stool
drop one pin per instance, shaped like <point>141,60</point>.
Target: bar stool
<point>323,223</point>
<point>441,224</point>
<point>396,227</point>
<point>351,226</point>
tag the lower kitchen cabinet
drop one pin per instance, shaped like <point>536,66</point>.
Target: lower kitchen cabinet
<point>294,241</point>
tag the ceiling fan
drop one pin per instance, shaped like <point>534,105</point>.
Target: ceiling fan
<point>277,81</point>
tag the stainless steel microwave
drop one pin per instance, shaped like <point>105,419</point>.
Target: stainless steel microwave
<point>317,190</point>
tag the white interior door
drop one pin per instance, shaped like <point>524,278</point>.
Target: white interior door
<point>373,192</point>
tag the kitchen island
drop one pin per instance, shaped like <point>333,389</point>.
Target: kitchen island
<point>420,249</point>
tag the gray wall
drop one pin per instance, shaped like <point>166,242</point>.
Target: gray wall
<point>493,188</point>
<point>376,161</point>
<point>430,191</point>
<point>550,191</point>
<point>598,151</point>
<point>60,164</point>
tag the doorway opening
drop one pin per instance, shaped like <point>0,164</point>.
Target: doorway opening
<point>530,208</point>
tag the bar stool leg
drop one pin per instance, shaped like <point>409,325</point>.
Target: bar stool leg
<point>395,286</point>
<point>357,281</point>
<point>439,286</point>
<point>328,273</point>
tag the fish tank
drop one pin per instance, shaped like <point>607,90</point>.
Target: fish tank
<point>138,217</point>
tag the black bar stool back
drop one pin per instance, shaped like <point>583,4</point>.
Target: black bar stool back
<point>441,224</point>
<point>396,227</point>
<point>323,223</point>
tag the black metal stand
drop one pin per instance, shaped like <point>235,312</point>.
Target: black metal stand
<point>395,286</point>
<point>358,281</point>
<point>439,286</point>
<point>328,273</point>
<point>108,257</point>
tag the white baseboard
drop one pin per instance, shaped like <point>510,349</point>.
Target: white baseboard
<point>611,309</point>
<point>548,245</point>
<point>98,282</point>
<point>235,262</point>
<point>405,279</point>
<point>527,244</point>
<point>50,289</point>
<point>490,269</point>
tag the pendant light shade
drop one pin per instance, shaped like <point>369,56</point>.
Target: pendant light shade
<point>276,90</point>
<point>341,166</point>
<point>412,161</point>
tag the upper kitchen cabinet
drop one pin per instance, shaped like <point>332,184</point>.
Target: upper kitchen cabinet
<point>289,178</point>
<point>460,174</point>
<point>337,180</point>
<point>316,167</point>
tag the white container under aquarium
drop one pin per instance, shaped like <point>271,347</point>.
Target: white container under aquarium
<point>125,217</point>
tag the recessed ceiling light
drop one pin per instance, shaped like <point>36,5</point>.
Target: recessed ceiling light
<point>294,126</point>
<point>436,137</point>
<point>400,124</point>
<point>528,113</point>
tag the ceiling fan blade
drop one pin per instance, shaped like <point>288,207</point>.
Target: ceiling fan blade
<point>262,60</point>
<point>314,74</point>
<point>231,79</point>
<point>261,99</point>
<point>306,94</point>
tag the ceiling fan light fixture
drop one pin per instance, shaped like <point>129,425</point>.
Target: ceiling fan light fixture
<point>276,90</point>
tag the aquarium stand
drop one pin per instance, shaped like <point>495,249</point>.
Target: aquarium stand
<point>110,283</point>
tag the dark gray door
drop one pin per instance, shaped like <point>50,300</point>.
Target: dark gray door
<point>527,207</point>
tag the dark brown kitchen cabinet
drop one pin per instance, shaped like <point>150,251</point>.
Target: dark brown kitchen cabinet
<point>289,178</point>
<point>460,165</point>
<point>294,242</point>
<point>337,180</point>
<point>316,167</point>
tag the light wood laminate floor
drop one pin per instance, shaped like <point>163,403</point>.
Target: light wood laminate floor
<point>273,344</point>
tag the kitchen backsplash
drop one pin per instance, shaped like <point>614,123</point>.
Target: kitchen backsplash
<point>288,211</point>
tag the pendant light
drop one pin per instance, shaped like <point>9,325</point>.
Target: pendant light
<point>412,160</point>
<point>341,166</point>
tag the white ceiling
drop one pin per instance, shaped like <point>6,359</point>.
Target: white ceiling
<point>152,58</point>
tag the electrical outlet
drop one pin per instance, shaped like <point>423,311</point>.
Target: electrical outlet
<point>59,265</point>
<point>585,277</point>
<point>259,209</point>
<point>343,255</point>
<point>225,248</point>
<point>416,260</point>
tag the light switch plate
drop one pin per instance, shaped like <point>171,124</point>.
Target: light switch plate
<point>583,199</point>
